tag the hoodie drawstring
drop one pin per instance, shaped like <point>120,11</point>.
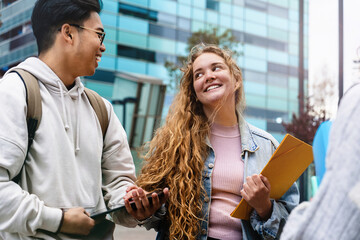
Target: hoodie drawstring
<point>63,107</point>
<point>77,147</point>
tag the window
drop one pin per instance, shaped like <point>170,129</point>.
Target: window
<point>143,54</point>
<point>138,12</point>
<point>212,4</point>
<point>162,31</point>
<point>135,53</point>
<point>254,4</point>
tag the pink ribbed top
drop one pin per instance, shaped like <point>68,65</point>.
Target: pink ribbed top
<point>227,181</point>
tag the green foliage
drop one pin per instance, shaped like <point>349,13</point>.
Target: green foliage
<point>225,40</point>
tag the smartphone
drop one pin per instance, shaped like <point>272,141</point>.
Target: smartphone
<point>160,194</point>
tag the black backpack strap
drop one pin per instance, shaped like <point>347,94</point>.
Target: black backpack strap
<point>34,109</point>
<point>99,107</point>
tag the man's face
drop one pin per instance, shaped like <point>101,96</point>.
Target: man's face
<point>89,48</point>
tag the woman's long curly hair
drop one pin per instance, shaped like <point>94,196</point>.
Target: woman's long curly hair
<point>175,156</point>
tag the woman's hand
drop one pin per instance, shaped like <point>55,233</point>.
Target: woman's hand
<point>256,192</point>
<point>143,208</point>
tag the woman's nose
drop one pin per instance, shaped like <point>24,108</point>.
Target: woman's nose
<point>210,76</point>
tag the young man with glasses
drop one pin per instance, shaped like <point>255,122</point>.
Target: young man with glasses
<point>71,170</point>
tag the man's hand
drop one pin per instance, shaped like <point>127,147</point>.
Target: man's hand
<point>77,221</point>
<point>143,208</point>
<point>256,192</point>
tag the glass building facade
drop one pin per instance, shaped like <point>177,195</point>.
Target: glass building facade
<point>141,35</point>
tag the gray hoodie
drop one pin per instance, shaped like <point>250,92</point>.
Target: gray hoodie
<point>68,165</point>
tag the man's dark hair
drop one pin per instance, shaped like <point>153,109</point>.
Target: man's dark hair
<point>49,15</point>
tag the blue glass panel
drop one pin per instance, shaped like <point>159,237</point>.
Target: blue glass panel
<point>129,65</point>
<point>161,45</point>
<point>108,19</point>
<point>277,92</point>
<point>277,104</point>
<point>107,62</point>
<point>225,21</point>
<point>198,14</point>
<point>143,3</point>
<point>212,17</point>
<point>256,29</point>
<point>294,83</point>
<point>133,24</point>
<point>110,33</point>
<point>255,101</point>
<point>255,88</point>
<point>257,122</point>
<point>110,47</point>
<point>184,11</point>
<point>157,70</point>
<point>188,2</point>
<point>181,49</point>
<point>255,16</point>
<point>294,49</point>
<point>238,12</point>
<point>255,51</point>
<point>111,6</point>
<point>132,39</point>
<point>199,3</point>
<point>164,6</point>
<point>294,15</point>
<point>278,22</point>
<point>225,8</point>
<point>278,57</point>
<point>184,23</point>
<point>197,25</point>
<point>104,89</point>
<point>294,61</point>
<point>294,27</point>
<point>238,24</point>
<point>294,38</point>
<point>277,34</point>
<point>278,136</point>
<point>256,65</point>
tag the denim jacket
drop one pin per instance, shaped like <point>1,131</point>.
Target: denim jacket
<point>257,148</point>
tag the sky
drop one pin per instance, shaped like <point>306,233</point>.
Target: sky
<point>324,40</point>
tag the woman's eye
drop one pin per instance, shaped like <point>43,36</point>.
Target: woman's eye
<point>216,68</point>
<point>198,75</point>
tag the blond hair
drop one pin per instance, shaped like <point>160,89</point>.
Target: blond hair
<point>176,155</point>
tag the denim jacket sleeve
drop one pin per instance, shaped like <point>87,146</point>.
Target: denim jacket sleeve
<point>272,228</point>
<point>156,220</point>
<point>258,147</point>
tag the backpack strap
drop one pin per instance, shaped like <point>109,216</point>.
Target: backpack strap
<point>100,109</point>
<point>34,108</point>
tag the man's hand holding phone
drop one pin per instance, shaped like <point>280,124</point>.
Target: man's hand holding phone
<point>141,204</point>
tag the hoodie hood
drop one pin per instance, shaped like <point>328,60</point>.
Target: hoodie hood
<point>46,75</point>
<point>54,84</point>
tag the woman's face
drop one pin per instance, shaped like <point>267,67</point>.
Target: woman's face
<point>213,82</point>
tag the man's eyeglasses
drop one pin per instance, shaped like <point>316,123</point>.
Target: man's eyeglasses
<point>100,34</point>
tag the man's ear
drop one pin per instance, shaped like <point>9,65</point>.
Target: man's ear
<point>65,32</point>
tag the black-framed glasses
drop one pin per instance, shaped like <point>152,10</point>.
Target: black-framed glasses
<point>100,34</point>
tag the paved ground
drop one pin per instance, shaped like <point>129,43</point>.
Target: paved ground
<point>138,233</point>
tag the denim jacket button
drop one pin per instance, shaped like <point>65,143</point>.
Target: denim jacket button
<point>206,199</point>
<point>203,231</point>
<point>211,165</point>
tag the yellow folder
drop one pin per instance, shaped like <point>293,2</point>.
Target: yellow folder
<point>286,165</point>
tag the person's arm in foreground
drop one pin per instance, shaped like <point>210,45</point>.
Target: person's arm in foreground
<point>334,212</point>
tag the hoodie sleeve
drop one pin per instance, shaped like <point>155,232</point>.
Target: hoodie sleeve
<point>20,211</point>
<point>117,168</point>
